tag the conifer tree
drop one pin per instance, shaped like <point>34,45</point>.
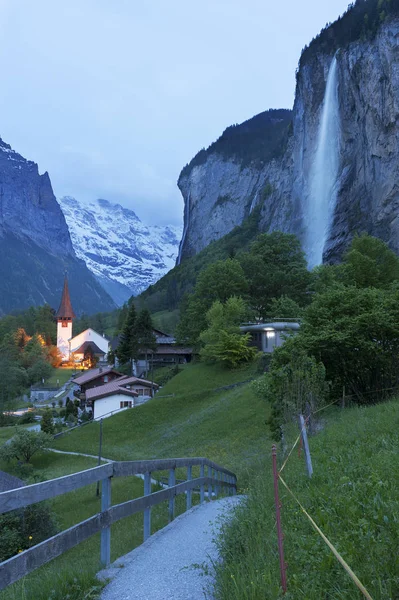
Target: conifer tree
<point>47,425</point>
<point>128,346</point>
<point>145,333</point>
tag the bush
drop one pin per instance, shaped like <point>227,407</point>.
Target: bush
<point>28,417</point>
<point>20,530</point>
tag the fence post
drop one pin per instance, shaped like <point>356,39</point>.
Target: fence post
<point>202,486</point>
<point>189,492</point>
<point>171,483</point>
<point>99,453</point>
<point>147,511</point>
<point>209,484</point>
<point>105,544</point>
<point>278,521</point>
<point>306,445</point>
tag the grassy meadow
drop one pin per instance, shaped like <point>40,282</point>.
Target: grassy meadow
<point>222,425</point>
<point>353,497</point>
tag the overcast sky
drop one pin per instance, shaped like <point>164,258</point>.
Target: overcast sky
<point>114,97</point>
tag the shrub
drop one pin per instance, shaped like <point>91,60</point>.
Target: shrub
<point>20,530</point>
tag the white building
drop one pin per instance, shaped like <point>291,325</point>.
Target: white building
<point>120,394</point>
<point>268,336</point>
<point>88,342</point>
<point>64,316</point>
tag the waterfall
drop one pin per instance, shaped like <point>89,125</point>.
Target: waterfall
<point>323,176</point>
<point>253,203</point>
<point>186,221</point>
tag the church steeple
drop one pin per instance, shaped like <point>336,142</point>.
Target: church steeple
<point>65,311</point>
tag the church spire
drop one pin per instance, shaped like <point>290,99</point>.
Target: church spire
<point>65,310</point>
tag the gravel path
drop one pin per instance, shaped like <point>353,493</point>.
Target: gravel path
<point>168,565</point>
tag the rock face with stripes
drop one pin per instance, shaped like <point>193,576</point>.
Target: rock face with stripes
<point>264,167</point>
<point>35,244</point>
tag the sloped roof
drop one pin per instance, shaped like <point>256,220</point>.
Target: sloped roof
<point>65,310</point>
<point>90,345</point>
<point>135,380</point>
<point>93,374</point>
<point>90,329</point>
<point>108,389</point>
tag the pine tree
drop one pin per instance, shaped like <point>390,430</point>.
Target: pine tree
<point>145,333</point>
<point>128,346</point>
<point>47,425</point>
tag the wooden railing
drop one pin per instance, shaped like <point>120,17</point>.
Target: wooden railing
<point>212,476</point>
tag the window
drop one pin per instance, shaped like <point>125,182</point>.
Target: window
<point>125,404</point>
<point>64,324</point>
<point>106,378</point>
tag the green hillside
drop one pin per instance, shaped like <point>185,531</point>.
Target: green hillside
<point>192,416</point>
<point>354,498</point>
<point>167,293</point>
<point>187,418</point>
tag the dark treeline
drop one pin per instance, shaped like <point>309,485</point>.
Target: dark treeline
<point>256,141</point>
<point>360,22</point>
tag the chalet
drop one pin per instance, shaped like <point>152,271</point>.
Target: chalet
<point>95,378</point>
<point>120,394</point>
<point>167,353</point>
<point>268,336</point>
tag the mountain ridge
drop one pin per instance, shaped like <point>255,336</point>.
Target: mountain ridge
<point>35,244</point>
<point>125,255</point>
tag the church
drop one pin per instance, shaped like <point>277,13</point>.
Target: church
<point>83,347</point>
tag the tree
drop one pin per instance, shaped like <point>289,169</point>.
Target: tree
<point>47,425</point>
<point>24,445</point>
<point>222,340</point>
<point>40,370</point>
<point>295,382</point>
<point>219,281</point>
<point>128,346</point>
<point>370,263</point>
<point>355,333</point>
<point>145,333</point>
<point>275,266</point>
<point>285,308</point>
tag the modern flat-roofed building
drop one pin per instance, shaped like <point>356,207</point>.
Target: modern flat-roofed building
<point>268,336</point>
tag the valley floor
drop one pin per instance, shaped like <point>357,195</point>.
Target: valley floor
<point>353,494</point>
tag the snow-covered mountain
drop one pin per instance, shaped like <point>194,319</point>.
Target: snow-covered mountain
<point>125,255</point>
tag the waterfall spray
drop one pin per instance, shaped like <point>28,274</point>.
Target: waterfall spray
<point>186,221</point>
<point>324,172</point>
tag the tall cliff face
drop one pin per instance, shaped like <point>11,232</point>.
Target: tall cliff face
<point>35,245</point>
<point>221,189</point>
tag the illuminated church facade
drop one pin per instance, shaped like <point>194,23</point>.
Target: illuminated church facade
<point>83,347</point>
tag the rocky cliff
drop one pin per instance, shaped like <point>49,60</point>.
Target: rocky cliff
<point>125,255</point>
<point>220,189</point>
<point>35,245</point>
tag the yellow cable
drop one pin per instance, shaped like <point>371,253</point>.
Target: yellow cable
<point>345,565</point>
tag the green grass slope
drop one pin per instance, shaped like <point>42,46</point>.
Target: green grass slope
<point>227,426</point>
<point>193,416</point>
<point>353,497</point>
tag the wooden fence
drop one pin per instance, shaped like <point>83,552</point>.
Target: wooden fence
<point>212,476</point>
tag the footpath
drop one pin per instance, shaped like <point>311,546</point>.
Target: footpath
<point>176,562</point>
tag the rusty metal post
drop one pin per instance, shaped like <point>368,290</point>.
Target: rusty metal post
<point>278,521</point>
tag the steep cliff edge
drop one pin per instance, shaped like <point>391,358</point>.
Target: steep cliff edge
<point>219,189</point>
<point>35,245</point>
